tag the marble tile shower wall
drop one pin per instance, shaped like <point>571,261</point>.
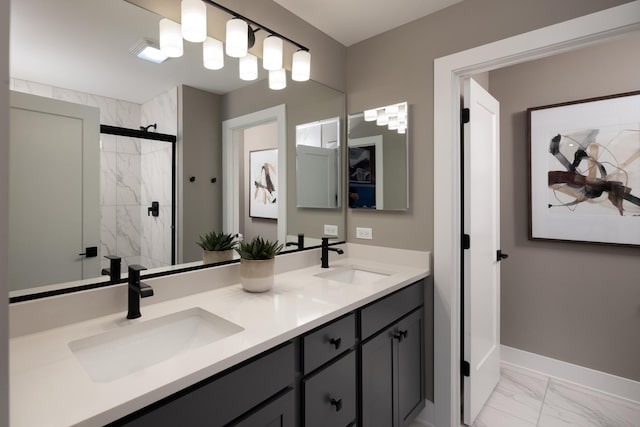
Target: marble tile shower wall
<point>132,173</point>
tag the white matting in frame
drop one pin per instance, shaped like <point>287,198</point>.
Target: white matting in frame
<point>585,170</point>
<point>263,181</point>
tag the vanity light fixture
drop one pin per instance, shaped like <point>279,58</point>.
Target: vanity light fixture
<point>171,38</point>
<point>194,20</point>
<point>301,67</point>
<point>148,50</point>
<point>237,38</point>
<point>212,54</point>
<point>272,53</point>
<point>277,79</point>
<point>249,67</point>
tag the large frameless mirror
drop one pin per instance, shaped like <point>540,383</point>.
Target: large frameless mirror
<point>378,158</point>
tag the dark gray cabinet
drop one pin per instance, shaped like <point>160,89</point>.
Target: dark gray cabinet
<point>392,365</point>
<point>371,358</point>
<point>278,413</point>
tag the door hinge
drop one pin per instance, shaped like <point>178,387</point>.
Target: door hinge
<point>465,115</point>
<point>466,241</point>
<point>465,368</point>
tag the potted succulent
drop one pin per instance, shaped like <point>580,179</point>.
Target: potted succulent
<point>217,247</point>
<point>257,263</point>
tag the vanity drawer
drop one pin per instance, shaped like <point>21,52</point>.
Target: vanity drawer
<point>382,313</point>
<point>330,395</point>
<point>331,340</point>
<point>221,399</point>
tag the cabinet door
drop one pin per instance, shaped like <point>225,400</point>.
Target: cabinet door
<point>330,395</point>
<point>377,380</point>
<point>409,366</point>
<point>279,413</point>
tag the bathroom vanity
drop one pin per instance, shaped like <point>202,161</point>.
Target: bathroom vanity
<point>335,346</point>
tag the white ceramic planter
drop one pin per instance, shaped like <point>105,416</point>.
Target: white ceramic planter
<point>212,257</point>
<point>257,275</point>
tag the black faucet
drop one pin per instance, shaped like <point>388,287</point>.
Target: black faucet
<point>299,243</point>
<point>137,290</point>
<point>324,258</point>
<point>114,268</point>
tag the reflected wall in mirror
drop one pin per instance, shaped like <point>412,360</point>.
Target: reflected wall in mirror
<point>378,158</point>
<point>178,97</point>
<point>318,164</point>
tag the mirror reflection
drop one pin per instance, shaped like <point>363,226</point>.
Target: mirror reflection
<point>378,158</point>
<point>136,217</point>
<point>318,163</point>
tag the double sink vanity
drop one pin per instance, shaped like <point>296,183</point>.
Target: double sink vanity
<point>340,346</point>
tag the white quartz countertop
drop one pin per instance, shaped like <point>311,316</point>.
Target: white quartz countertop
<point>49,387</point>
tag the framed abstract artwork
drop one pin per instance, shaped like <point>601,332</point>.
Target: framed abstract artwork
<point>584,170</point>
<point>263,181</point>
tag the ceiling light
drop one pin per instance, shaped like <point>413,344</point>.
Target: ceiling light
<point>194,20</point>
<point>212,54</point>
<point>277,79</point>
<point>237,42</point>
<point>249,67</point>
<point>393,122</point>
<point>170,38</point>
<point>272,53</point>
<point>148,50</point>
<point>301,67</point>
<point>382,119</point>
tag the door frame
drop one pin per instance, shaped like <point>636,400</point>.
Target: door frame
<point>448,71</point>
<point>232,130</point>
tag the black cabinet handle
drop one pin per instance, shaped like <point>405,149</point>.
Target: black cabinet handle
<point>337,404</point>
<point>336,342</point>
<point>400,335</point>
<point>90,252</point>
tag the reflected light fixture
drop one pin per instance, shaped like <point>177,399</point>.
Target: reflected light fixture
<point>149,51</point>
<point>393,116</point>
<point>237,38</point>
<point>212,54</point>
<point>170,38</point>
<point>272,53</point>
<point>249,67</point>
<point>194,20</point>
<point>301,67</point>
<point>277,79</point>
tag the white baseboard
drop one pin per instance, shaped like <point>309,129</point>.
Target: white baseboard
<point>601,381</point>
<point>426,417</point>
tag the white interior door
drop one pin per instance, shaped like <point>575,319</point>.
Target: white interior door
<point>54,191</point>
<point>481,265</point>
<point>317,176</point>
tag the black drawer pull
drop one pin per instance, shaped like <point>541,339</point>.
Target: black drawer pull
<point>336,342</point>
<point>400,335</point>
<point>337,404</point>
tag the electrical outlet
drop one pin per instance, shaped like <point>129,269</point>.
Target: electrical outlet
<point>330,230</point>
<point>364,233</point>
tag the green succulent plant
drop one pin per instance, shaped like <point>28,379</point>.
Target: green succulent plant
<point>258,248</point>
<point>217,241</point>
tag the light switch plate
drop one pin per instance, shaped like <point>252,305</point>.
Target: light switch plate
<point>330,230</point>
<point>364,233</point>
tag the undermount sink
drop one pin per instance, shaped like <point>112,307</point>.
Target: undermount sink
<point>353,275</point>
<point>117,353</point>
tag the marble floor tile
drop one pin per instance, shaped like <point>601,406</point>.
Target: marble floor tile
<point>491,417</point>
<point>519,393</point>
<point>571,405</point>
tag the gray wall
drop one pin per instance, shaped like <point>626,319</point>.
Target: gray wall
<point>398,66</point>
<point>4,208</point>
<point>200,148</point>
<point>556,301</point>
<point>305,102</point>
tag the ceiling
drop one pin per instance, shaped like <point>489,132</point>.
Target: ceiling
<point>84,44</point>
<point>351,21</point>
